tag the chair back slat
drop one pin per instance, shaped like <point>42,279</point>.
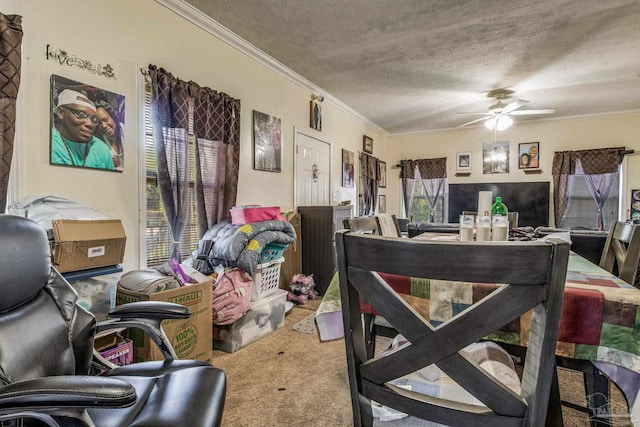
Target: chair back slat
<point>362,224</point>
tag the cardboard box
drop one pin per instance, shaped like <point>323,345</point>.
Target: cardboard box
<point>266,315</point>
<point>85,244</point>
<point>115,348</point>
<point>191,338</point>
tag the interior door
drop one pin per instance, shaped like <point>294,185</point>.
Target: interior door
<point>313,170</point>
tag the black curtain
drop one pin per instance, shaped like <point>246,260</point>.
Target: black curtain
<point>10,62</point>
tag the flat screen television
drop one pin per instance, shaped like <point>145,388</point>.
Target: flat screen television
<point>529,199</point>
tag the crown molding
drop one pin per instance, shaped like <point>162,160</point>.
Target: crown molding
<point>200,19</point>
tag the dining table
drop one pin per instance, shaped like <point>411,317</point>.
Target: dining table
<point>600,319</point>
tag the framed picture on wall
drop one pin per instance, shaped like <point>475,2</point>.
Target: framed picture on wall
<point>463,161</point>
<point>528,155</point>
<point>348,168</point>
<point>635,204</point>
<point>382,203</point>
<point>367,144</point>
<point>383,174</point>
<point>267,142</point>
<point>87,126</point>
<point>315,115</point>
<point>495,157</point>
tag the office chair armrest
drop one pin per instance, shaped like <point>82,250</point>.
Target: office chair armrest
<point>147,316</point>
<point>150,310</point>
<point>68,391</point>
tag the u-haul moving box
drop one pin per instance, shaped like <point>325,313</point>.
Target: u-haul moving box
<point>85,244</point>
<point>191,338</point>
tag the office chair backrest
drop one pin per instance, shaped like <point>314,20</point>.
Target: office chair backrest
<point>534,273</point>
<point>42,330</point>
<point>621,253</point>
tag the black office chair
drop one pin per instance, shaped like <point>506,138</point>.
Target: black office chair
<point>46,352</point>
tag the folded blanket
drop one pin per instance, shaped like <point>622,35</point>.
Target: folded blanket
<point>147,281</point>
<point>241,245</point>
<point>387,225</point>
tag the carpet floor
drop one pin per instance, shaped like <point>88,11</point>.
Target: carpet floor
<point>290,378</point>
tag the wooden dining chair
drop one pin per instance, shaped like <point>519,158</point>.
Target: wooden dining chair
<point>442,354</point>
<point>620,256</point>
<point>362,224</point>
<point>403,225</point>
<point>621,253</point>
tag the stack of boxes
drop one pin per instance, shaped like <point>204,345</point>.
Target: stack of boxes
<point>92,244</point>
<point>267,305</point>
<point>80,248</point>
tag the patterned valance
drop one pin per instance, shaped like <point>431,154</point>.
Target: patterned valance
<point>594,162</point>
<point>427,168</point>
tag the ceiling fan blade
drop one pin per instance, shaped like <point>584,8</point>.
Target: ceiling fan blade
<point>474,112</point>
<point>514,105</point>
<point>476,120</point>
<point>525,112</point>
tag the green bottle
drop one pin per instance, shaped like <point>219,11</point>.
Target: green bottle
<point>499,221</point>
<point>498,208</point>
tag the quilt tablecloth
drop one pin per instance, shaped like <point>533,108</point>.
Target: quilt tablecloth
<point>600,318</point>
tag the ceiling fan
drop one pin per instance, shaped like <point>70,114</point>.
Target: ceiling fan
<point>498,117</point>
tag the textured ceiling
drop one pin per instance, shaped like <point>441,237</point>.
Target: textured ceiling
<point>410,65</point>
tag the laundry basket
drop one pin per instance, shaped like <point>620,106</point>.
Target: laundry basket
<point>272,251</point>
<point>266,279</point>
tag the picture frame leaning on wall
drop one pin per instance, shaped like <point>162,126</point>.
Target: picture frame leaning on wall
<point>529,155</point>
<point>383,174</point>
<point>463,161</point>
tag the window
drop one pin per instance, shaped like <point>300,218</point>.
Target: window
<point>586,186</point>
<point>423,184</point>
<point>420,209</point>
<point>582,210</point>
<point>158,235</point>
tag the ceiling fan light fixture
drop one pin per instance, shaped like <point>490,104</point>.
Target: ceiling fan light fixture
<point>491,123</point>
<point>501,122</point>
<point>504,122</point>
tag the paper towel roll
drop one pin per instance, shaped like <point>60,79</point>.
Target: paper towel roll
<point>485,199</point>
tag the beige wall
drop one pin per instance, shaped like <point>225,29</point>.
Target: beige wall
<point>129,34</point>
<point>553,135</point>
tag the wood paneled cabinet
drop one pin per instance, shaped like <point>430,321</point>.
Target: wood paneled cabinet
<point>318,228</point>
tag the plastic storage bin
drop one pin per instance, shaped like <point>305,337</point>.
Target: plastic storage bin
<point>265,316</point>
<point>97,294</point>
<point>266,279</point>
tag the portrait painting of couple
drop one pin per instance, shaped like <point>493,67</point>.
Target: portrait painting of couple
<point>86,126</point>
